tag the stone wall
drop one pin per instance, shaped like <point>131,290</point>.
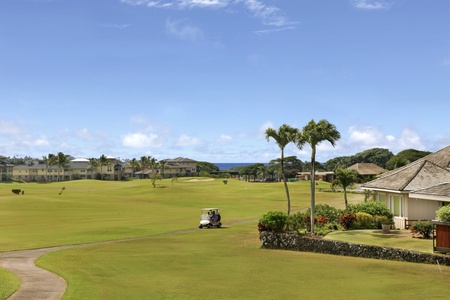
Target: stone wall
<point>296,242</point>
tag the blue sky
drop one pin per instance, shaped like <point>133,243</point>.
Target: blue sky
<point>205,78</point>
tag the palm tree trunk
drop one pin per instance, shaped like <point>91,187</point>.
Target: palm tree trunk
<point>345,198</point>
<point>313,187</point>
<point>285,185</point>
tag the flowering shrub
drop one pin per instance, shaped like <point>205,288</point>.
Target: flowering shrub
<point>443,214</point>
<point>423,227</point>
<point>347,219</point>
<point>327,211</point>
<point>371,207</point>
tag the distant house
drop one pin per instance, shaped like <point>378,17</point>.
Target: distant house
<point>367,170</point>
<point>177,167</point>
<point>323,176</point>
<point>415,191</point>
<point>78,168</point>
<point>6,170</point>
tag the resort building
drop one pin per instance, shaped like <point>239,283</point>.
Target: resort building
<point>415,191</point>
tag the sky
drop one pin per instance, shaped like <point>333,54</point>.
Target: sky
<point>204,79</point>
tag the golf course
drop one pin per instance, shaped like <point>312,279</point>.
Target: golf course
<point>133,241</point>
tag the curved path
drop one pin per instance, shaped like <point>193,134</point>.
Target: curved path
<point>40,284</point>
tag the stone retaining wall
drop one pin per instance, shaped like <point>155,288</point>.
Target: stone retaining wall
<point>296,242</point>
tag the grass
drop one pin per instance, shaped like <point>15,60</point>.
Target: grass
<point>396,239</point>
<point>9,283</point>
<point>221,263</point>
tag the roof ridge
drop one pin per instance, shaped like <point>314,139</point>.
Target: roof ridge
<point>414,176</point>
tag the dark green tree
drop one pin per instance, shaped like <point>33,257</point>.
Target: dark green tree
<point>345,179</point>
<point>405,157</point>
<point>103,161</point>
<point>207,167</point>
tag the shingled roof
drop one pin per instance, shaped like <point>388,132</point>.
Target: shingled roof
<point>367,169</point>
<point>427,172</point>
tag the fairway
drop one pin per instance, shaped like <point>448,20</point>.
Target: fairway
<point>175,259</point>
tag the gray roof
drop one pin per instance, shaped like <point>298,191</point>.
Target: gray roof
<point>442,189</point>
<point>429,171</point>
<point>367,169</point>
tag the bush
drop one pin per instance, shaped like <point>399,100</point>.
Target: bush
<point>422,227</point>
<point>443,214</point>
<point>363,221</point>
<point>373,208</point>
<point>326,211</point>
<point>274,220</point>
<point>347,219</point>
<point>296,221</point>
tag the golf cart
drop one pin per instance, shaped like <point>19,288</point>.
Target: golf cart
<point>210,217</point>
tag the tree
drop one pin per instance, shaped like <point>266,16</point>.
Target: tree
<point>345,178</point>
<point>313,134</point>
<point>207,166</point>
<point>61,160</point>
<point>103,161</point>
<point>405,157</point>
<point>378,156</point>
<point>283,136</point>
<point>93,164</point>
<point>155,176</point>
<point>48,161</point>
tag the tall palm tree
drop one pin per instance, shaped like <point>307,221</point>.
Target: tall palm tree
<point>61,160</point>
<point>345,178</point>
<point>103,161</point>
<point>48,161</point>
<point>283,136</point>
<point>93,164</point>
<point>313,134</point>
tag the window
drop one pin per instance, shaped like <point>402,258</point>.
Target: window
<point>397,205</point>
<point>382,198</point>
<point>109,168</point>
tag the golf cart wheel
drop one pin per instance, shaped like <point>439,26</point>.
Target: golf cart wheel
<point>209,225</point>
<point>201,226</point>
<point>219,225</point>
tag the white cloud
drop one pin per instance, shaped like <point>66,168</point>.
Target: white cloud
<point>11,129</point>
<point>141,140</point>
<point>371,4</point>
<point>183,31</point>
<point>366,136</point>
<point>268,14</point>
<point>83,134</point>
<point>223,139</point>
<point>409,139</point>
<point>186,140</point>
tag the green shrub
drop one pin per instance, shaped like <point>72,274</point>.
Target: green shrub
<point>347,219</point>
<point>274,220</point>
<point>326,211</point>
<point>443,214</point>
<point>296,221</point>
<point>363,221</point>
<point>422,227</point>
<point>373,208</point>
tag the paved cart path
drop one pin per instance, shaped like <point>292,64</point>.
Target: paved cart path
<point>40,284</point>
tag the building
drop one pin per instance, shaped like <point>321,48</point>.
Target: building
<point>368,171</point>
<point>78,168</point>
<point>415,191</point>
<point>6,170</point>
<point>323,176</point>
<point>177,167</point>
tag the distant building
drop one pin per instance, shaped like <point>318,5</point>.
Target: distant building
<point>367,170</point>
<point>6,170</point>
<point>177,167</point>
<point>323,176</point>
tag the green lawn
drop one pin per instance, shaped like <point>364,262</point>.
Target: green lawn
<point>221,263</point>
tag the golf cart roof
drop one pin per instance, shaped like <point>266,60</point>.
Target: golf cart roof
<point>213,208</point>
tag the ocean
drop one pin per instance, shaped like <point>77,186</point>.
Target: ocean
<point>227,166</point>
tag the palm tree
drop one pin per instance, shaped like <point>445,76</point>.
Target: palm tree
<point>103,161</point>
<point>313,134</point>
<point>283,136</point>
<point>48,161</point>
<point>134,164</point>
<point>93,164</point>
<point>345,178</point>
<point>61,161</point>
